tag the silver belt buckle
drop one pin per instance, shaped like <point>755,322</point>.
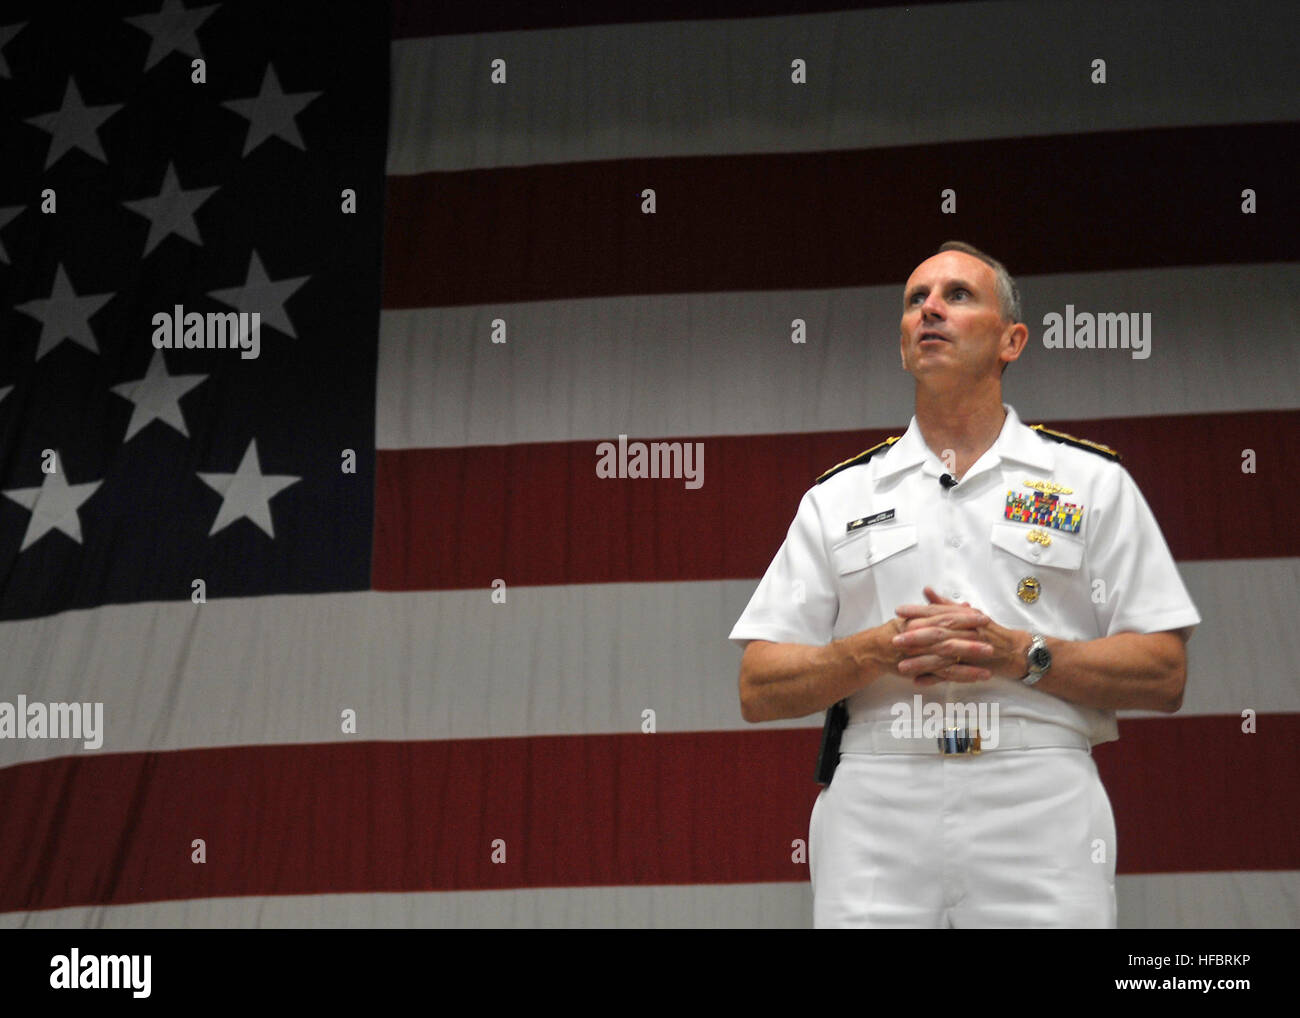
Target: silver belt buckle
<point>960,741</point>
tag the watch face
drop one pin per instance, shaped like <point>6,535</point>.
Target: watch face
<point>1040,657</point>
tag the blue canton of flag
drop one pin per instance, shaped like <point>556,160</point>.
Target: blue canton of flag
<point>190,239</point>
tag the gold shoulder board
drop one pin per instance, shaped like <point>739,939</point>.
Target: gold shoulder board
<point>861,457</point>
<point>1078,443</point>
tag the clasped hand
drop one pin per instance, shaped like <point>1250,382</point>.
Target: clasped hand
<point>949,641</point>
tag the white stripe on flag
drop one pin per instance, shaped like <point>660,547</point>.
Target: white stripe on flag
<point>875,78</point>
<point>594,369</point>
<point>1224,900</point>
<point>551,661</point>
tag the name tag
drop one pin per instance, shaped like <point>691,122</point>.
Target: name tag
<point>866,521</point>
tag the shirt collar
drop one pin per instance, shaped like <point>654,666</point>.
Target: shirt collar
<point>1015,442</point>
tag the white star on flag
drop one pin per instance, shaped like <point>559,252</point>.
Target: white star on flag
<point>272,112</point>
<point>64,315</point>
<point>53,505</point>
<point>157,397</point>
<point>171,210</point>
<point>7,32</point>
<point>174,29</point>
<point>247,492</point>
<point>74,125</point>
<point>7,215</point>
<point>261,293</point>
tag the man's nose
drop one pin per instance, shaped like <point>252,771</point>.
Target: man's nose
<point>931,308</point>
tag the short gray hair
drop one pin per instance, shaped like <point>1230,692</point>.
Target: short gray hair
<point>1008,293</point>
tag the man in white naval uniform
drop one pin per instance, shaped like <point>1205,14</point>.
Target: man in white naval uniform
<point>974,600</point>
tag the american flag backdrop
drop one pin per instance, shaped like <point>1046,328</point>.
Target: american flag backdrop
<point>374,642</point>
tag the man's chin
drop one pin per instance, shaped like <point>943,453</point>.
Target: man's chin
<point>949,375</point>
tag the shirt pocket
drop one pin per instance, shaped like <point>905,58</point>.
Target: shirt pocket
<point>1063,590</point>
<point>868,568</point>
<point>1064,552</point>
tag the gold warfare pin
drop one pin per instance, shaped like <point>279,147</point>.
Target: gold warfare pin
<point>1039,537</point>
<point>1029,589</point>
<point>1049,487</point>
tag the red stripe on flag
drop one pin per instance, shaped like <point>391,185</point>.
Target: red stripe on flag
<point>1197,794</point>
<point>457,518</point>
<point>816,219</point>
<point>707,807</point>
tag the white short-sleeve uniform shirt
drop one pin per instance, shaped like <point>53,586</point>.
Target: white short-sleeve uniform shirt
<point>872,536</point>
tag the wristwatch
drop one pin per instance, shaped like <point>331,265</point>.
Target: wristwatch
<point>1040,659</point>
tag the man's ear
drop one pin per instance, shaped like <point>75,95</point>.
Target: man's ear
<point>1019,337</point>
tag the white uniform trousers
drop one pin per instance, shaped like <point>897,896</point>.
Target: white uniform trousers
<point>1009,838</point>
